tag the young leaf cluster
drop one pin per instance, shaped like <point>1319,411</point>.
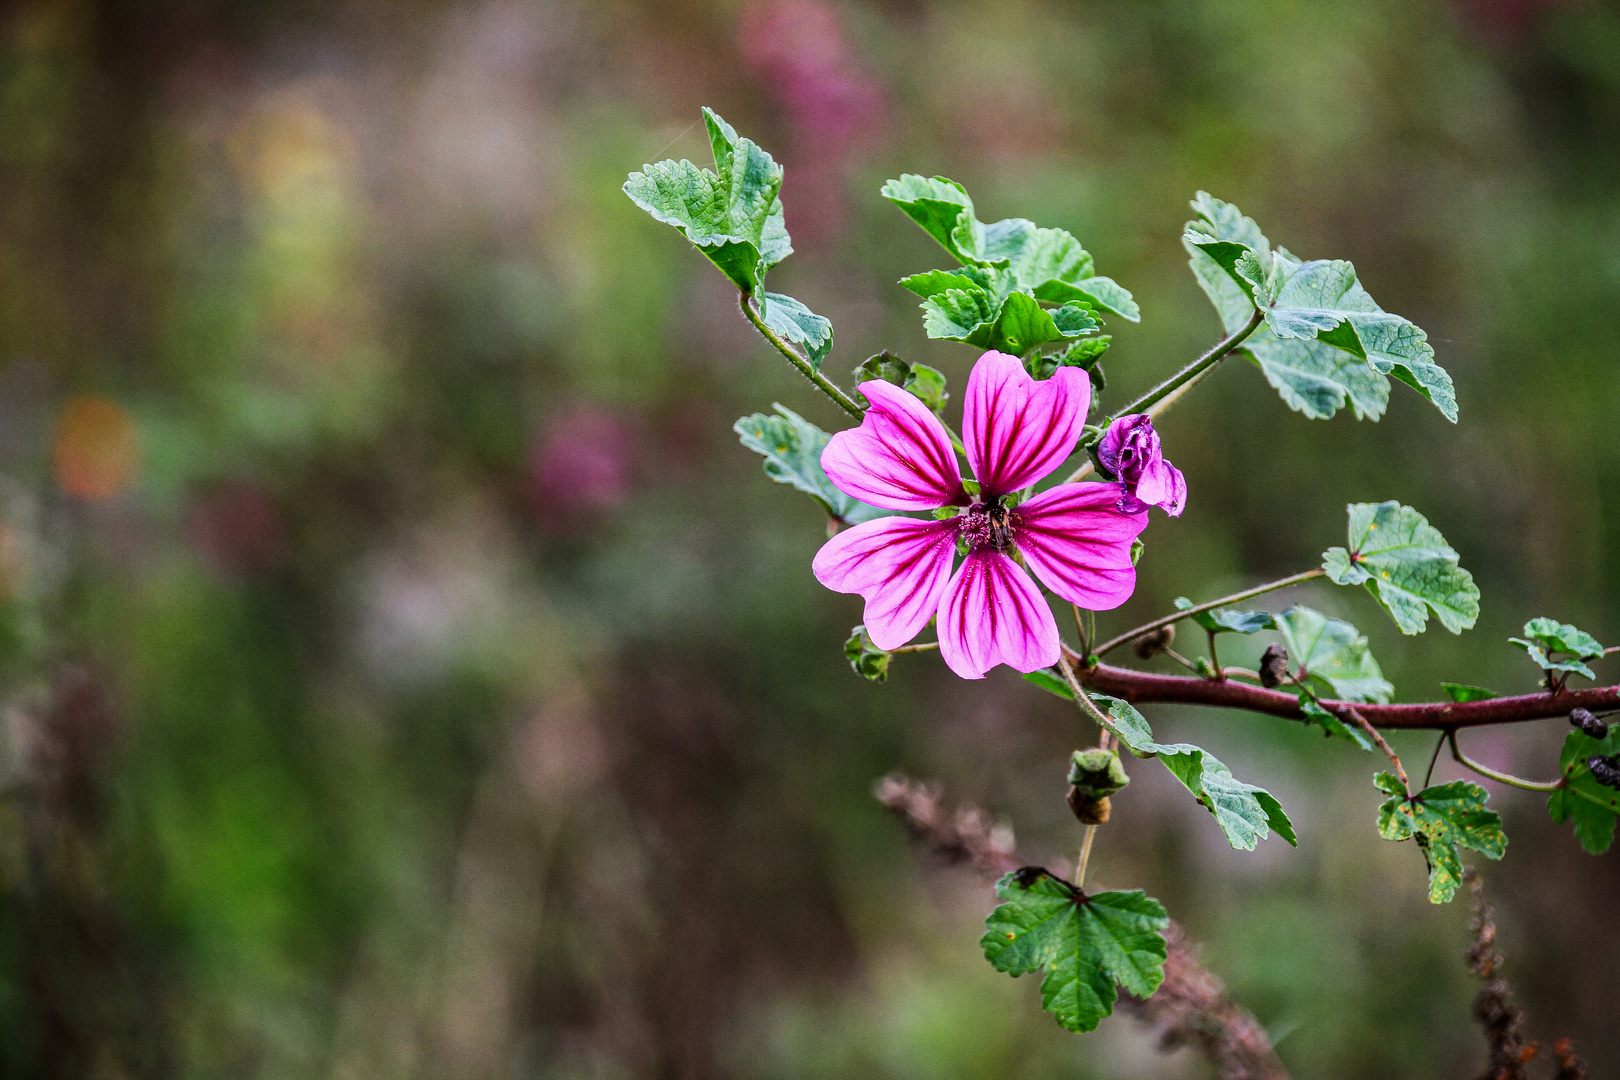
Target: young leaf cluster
<point>1442,819</point>
<point>1544,639</point>
<point>1009,270</point>
<point>1325,342</point>
<point>1087,945</point>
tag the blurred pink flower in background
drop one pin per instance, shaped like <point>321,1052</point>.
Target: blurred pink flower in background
<point>237,528</point>
<point>798,51</point>
<point>582,463</point>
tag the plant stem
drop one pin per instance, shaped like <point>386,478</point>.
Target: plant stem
<point>1492,774</point>
<point>806,368</point>
<point>1215,661</point>
<point>1080,628</point>
<point>1258,590</point>
<point>1372,733</point>
<point>1441,741</point>
<point>925,646</point>
<point>1085,857</point>
<point>1082,700</point>
<point>1164,395</point>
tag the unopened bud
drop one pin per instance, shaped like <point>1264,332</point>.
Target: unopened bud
<point>1154,642</point>
<point>1605,770</point>
<point>1590,725</point>
<point>1273,666</point>
<point>1094,775</point>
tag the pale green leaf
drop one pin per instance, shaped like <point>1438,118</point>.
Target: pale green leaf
<point>1442,819</point>
<point>1332,725</point>
<point>944,211</point>
<point>792,447</point>
<point>1087,944</point>
<point>867,660</point>
<point>1333,656</point>
<point>1226,620</point>
<point>797,324</point>
<point>1463,693</point>
<point>1407,565</point>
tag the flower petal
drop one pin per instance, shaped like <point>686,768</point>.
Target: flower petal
<point>1078,543</point>
<point>1163,485</point>
<point>1017,430</point>
<point>899,458</point>
<point>994,614</point>
<point>899,565</point>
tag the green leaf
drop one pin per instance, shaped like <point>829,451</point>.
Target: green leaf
<point>1223,620</point>
<point>1332,725</point>
<point>1051,682</point>
<point>1333,656</point>
<point>1243,811</point>
<point>1013,324</point>
<point>1463,693</point>
<point>1592,805</point>
<point>733,215</point>
<point>868,661</point>
<point>943,209</point>
<point>1087,944</point>
<point>797,324</point>
<point>1407,565</point>
<point>1325,343</point>
<point>925,383</point>
<point>1548,636</point>
<point>1051,264</point>
<point>1442,819</point>
<point>792,446</point>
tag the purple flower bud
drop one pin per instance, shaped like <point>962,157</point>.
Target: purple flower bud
<point>1130,453</point>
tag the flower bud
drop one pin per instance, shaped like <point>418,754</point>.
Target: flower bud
<point>1273,666</point>
<point>1590,725</point>
<point>1094,775</point>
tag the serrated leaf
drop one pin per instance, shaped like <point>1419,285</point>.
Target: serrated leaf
<point>1243,811</point>
<point>1407,565</point>
<point>867,660</point>
<point>1547,663</point>
<point>1463,693</point>
<point>1333,655</point>
<point>1087,944</point>
<point>797,324</point>
<point>944,211</point>
<point>1051,682</point>
<point>1592,805</point>
<point>1548,636</point>
<point>733,215</point>
<point>1226,620</point>
<point>792,447</point>
<point>1442,819</point>
<point>1332,725</point>
<point>1015,324</point>
<point>1325,343</point>
<point>1051,264</point>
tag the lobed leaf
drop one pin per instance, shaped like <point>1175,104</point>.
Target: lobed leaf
<point>944,211</point>
<point>1332,655</point>
<point>1243,811</point>
<point>1224,620</point>
<point>1087,944</point>
<point>1442,819</point>
<point>732,215</point>
<point>795,323</point>
<point>792,447</point>
<point>1407,565</point>
<point>1592,805</point>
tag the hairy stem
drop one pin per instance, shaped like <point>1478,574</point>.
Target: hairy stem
<point>921,646</point>
<point>1167,393</point>
<point>1259,590</point>
<point>1491,774</point>
<point>1141,687</point>
<point>1080,628</point>
<point>806,368</point>
<point>1085,857</point>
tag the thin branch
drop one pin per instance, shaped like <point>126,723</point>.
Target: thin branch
<point>1435,757</point>
<point>1085,857</point>
<point>1198,609</point>
<point>1145,687</point>
<point>1164,395</point>
<point>806,368</point>
<point>1500,777</point>
<point>1080,627</point>
<point>1372,733</point>
<point>921,646</point>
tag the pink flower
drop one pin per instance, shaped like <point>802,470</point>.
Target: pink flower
<point>1072,537</point>
<point>1130,451</point>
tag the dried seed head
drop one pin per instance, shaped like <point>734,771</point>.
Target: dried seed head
<point>1590,725</point>
<point>1273,666</point>
<point>1154,642</point>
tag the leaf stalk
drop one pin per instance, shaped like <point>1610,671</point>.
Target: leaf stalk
<point>1238,597</point>
<point>806,368</point>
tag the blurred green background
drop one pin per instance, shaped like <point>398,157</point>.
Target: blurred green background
<point>406,673</point>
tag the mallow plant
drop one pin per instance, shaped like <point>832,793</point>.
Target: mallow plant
<point>1039,505</point>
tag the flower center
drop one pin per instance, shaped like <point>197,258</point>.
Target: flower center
<point>989,525</point>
